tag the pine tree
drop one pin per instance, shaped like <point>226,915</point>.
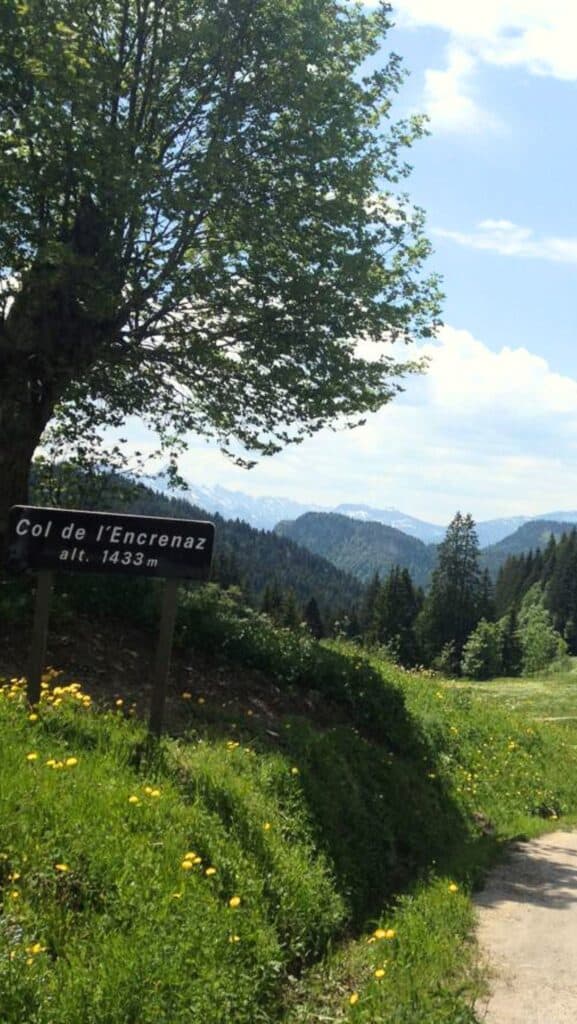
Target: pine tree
<point>511,650</point>
<point>312,617</point>
<point>451,609</point>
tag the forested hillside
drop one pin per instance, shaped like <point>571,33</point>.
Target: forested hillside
<point>361,548</point>
<point>246,557</point>
<point>528,537</point>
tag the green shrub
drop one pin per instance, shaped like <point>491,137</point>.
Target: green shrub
<point>482,658</point>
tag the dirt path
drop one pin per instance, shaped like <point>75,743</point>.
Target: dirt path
<point>528,934</point>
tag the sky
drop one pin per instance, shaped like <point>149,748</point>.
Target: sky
<point>491,429</point>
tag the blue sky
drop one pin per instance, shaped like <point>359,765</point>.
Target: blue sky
<point>492,428</point>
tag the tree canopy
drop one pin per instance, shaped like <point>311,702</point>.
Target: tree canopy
<point>201,213</point>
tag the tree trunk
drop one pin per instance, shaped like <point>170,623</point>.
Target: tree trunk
<point>24,413</point>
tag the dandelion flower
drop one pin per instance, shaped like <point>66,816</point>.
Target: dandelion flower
<point>380,933</point>
<point>133,799</point>
<point>234,938</point>
<point>353,998</point>
<point>234,902</point>
<point>453,887</point>
<point>33,717</point>
<point>71,761</point>
<point>119,702</point>
<point>62,868</point>
<point>266,826</point>
<point>14,895</point>
<point>201,700</point>
<point>210,871</point>
<point>33,756</point>
<point>186,695</point>
<point>187,865</point>
<point>390,933</point>
<point>380,972</point>
<point>154,792</point>
<point>294,771</point>
<point>176,896</point>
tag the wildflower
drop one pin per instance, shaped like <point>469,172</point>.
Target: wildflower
<point>14,876</point>
<point>294,771</point>
<point>201,700</point>
<point>63,868</point>
<point>71,761</point>
<point>133,799</point>
<point>353,998</point>
<point>186,695</point>
<point>14,895</point>
<point>210,871</point>
<point>154,792</point>
<point>266,826</point>
<point>119,702</point>
<point>453,887</point>
<point>234,938</point>
<point>176,896</point>
<point>33,717</point>
<point>390,933</point>
<point>33,756</point>
<point>35,949</point>
<point>234,902</point>
<point>380,933</point>
<point>187,865</point>
<point>380,973</point>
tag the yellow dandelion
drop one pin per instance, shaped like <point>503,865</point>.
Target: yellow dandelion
<point>176,896</point>
<point>210,871</point>
<point>187,865</point>
<point>234,902</point>
<point>266,826</point>
<point>453,887</point>
<point>33,756</point>
<point>234,938</point>
<point>380,973</point>
<point>201,700</point>
<point>14,876</point>
<point>390,933</point>
<point>154,793</point>
<point>71,761</point>
<point>14,895</point>
<point>133,799</point>
<point>33,717</point>
<point>51,763</point>
<point>295,771</point>
<point>380,933</point>
<point>119,702</point>
<point>186,695</point>
<point>63,868</point>
<point>35,949</point>
<point>353,998</point>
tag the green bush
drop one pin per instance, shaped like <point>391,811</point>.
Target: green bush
<point>482,653</point>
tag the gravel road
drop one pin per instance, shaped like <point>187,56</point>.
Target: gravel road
<point>528,933</point>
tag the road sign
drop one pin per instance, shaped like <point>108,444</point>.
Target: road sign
<point>64,540</point>
<point>48,540</point>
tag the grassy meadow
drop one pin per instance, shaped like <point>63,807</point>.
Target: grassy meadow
<point>316,869</point>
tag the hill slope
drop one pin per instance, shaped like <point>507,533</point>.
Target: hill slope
<point>243,555</point>
<point>530,536</point>
<point>358,547</point>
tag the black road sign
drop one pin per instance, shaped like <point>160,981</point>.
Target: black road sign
<point>64,540</point>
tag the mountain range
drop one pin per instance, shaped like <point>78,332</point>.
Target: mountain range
<point>265,512</point>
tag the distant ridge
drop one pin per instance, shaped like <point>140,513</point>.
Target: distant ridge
<point>265,512</point>
<point>530,536</point>
<point>358,547</point>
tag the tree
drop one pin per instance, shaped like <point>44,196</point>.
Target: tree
<point>312,617</point>
<point>395,610</point>
<point>482,653</point>
<point>453,605</point>
<point>511,650</point>
<point>199,220</point>
<point>541,645</point>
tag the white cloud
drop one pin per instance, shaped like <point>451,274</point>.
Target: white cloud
<point>494,433</point>
<point>448,98</point>
<point>508,239</point>
<point>538,35</point>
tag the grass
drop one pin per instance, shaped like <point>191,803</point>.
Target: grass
<point>352,840</point>
<point>543,696</point>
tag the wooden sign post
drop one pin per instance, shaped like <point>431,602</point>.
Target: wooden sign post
<point>48,540</point>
